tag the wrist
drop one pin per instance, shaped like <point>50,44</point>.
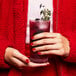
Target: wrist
<point>67,48</point>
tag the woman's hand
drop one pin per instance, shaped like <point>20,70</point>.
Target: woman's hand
<point>51,43</point>
<point>18,60</point>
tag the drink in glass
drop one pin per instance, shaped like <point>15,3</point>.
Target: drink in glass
<point>36,27</point>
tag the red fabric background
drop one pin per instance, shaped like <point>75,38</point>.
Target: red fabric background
<point>13,20</point>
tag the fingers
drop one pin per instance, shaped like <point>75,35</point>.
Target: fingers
<point>21,57</point>
<point>17,63</point>
<point>50,43</point>
<point>31,64</point>
<point>46,41</point>
<point>53,52</point>
<point>46,35</point>
<point>48,47</point>
<point>20,64</point>
<point>15,58</point>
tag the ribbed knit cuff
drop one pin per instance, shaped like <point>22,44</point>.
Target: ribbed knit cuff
<point>3,45</point>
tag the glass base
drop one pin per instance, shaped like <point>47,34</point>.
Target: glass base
<point>35,60</point>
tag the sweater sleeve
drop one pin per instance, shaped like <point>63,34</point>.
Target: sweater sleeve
<point>3,45</point>
<point>6,29</point>
<point>72,40</point>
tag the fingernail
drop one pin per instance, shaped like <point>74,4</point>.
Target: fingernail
<point>27,61</point>
<point>33,49</point>
<point>31,44</point>
<point>48,64</point>
<point>32,38</point>
<point>39,53</point>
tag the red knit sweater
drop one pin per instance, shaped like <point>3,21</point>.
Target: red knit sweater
<point>13,20</point>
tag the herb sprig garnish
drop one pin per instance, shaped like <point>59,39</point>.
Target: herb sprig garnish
<point>45,13</point>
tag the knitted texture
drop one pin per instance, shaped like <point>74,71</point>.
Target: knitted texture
<point>13,22</point>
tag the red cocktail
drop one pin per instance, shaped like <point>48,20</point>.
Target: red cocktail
<point>35,28</point>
